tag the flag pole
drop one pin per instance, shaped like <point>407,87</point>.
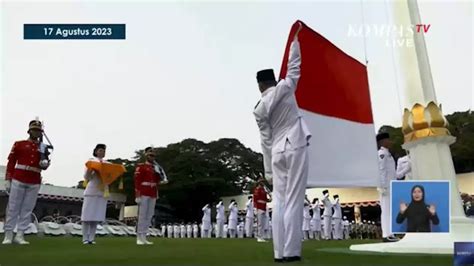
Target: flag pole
<point>427,139</point>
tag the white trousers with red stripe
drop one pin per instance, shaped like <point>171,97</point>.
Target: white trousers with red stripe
<point>290,175</point>
<point>21,202</point>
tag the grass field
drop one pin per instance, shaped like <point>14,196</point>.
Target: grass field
<point>227,252</point>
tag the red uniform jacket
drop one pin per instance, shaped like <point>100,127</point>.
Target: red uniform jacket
<point>260,198</point>
<point>146,181</point>
<point>24,153</point>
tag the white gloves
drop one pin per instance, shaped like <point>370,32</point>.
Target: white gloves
<point>137,200</point>
<point>156,168</point>
<point>44,164</point>
<point>8,185</point>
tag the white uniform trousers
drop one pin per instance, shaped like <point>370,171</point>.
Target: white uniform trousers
<point>146,210</point>
<point>21,202</point>
<point>337,228</point>
<point>206,229</point>
<point>261,221</point>
<point>290,175</point>
<point>226,232</point>
<point>306,228</point>
<point>327,227</point>
<point>220,228</point>
<point>385,215</point>
<point>249,226</point>
<point>89,229</point>
<point>240,233</point>
<point>232,228</point>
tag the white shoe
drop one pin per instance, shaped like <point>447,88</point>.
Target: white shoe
<point>140,240</point>
<point>85,242</point>
<point>148,242</point>
<point>8,238</point>
<point>19,239</point>
<point>261,240</point>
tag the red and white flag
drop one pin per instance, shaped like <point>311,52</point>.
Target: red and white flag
<point>333,95</point>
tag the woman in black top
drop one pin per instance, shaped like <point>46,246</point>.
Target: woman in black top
<point>418,214</point>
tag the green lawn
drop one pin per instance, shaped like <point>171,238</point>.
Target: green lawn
<point>227,252</point>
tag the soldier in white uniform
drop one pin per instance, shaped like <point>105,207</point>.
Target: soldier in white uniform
<point>220,218</point>
<point>206,221</point>
<point>195,230</point>
<point>226,231</point>
<point>233,216</point>
<point>169,230</point>
<point>240,229</point>
<point>284,137</point>
<point>306,221</point>
<point>327,214</point>
<point>163,230</point>
<point>249,217</point>
<point>315,223</point>
<point>182,230</point>
<point>387,173</point>
<point>333,235</point>
<point>189,230</point>
<point>336,217</point>
<point>176,231</point>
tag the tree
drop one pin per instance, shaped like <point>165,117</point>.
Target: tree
<point>199,173</point>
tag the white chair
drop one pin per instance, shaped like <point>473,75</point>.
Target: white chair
<point>154,232</point>
<point>101,230</point>
<point>114,228</point>
<point>73,229</point>
<point>51,228</point>
<point>130,230</point>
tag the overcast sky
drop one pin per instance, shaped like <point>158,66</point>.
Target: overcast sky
<point>187,70</point>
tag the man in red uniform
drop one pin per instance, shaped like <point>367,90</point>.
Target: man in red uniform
<point>146,193</point>
<point>260,199</point>
<point>23,180</point>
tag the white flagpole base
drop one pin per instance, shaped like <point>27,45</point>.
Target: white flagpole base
<point>462,230</point>
<point>431,160</point>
